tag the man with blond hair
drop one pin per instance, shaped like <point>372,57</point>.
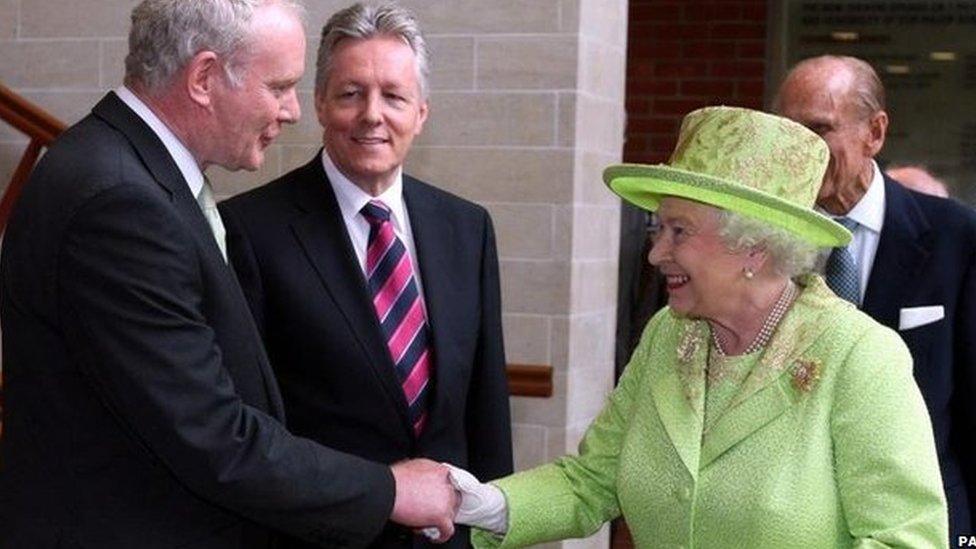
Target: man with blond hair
<point>377,294</point>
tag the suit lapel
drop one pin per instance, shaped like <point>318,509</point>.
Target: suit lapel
<point>321,232</point>
<point>435,241</point>
<point>277,404</point>
<point>167,174</point>
<point>902,251</point>
<point>163,169</point>
<point>146,143</point>
<point>769,389</point>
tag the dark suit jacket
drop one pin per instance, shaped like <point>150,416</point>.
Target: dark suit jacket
<point>306,289</point>
<point>140,409</point>
<point>927,256</point>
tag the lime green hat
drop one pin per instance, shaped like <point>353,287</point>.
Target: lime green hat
<point>749,162</point>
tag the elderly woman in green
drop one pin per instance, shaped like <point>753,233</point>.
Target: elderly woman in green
<point>759,409</point>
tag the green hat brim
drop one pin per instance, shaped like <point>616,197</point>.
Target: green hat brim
<point>644,186</point>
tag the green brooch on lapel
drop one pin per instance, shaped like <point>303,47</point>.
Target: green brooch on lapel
<point>806,374</point>
<point>691,348</point>
<point>690,341</point>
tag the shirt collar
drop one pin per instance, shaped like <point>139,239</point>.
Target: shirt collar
<point>181,155</point>
<point>869,211</point>
<point>351,198</point>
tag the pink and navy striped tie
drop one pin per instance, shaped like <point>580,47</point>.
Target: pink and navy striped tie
<point>400,309</point>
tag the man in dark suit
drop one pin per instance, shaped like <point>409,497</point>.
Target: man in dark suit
<point>911,264</point>
<point>141,410</point>
<point>377,294</point>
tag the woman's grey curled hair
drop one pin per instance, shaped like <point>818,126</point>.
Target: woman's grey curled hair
<point>166,34</point>
<point>364,21</point>
<point>790,255</point>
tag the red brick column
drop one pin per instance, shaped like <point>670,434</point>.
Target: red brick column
<point>687,54</point>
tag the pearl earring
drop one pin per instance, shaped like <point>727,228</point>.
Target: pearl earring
<point>747,272</point>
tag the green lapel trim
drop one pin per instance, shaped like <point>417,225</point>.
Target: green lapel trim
<point>745,419</point>
<point>678,388</point>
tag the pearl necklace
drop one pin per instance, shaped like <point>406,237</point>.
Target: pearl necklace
<point>769,325</point>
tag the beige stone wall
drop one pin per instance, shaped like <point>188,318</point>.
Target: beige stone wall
<point>526,110</point>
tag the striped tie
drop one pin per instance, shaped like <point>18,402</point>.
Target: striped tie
<point>843,276</point>
<point>400,310</point>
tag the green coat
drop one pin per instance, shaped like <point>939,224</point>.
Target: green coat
<point>827,443</point>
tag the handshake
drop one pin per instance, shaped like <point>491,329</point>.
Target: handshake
<point>431,497</point>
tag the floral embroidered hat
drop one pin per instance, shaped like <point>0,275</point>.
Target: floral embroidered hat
<point>750,162</point>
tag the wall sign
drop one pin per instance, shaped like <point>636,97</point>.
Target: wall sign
<point>925,53</point>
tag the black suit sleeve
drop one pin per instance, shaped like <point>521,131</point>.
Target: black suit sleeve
<point>132,295</point>
<point>488,417</point>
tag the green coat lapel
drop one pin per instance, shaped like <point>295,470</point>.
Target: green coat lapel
<point>780,378</point>
<point>678,389</point>
<point>747,417</point>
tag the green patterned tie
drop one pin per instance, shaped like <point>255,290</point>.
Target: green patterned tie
<point>206,201</point>
<point>842,274</point>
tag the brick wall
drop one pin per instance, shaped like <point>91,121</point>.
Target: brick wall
<point>687,54</point>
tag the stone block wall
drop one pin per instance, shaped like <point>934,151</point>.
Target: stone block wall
<point>527,107</point>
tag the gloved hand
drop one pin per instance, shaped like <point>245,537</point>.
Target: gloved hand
<point>482,505</point>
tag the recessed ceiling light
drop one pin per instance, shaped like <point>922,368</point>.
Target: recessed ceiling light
<point>845,36</point>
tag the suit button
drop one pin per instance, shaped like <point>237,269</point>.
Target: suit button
<point>683,493</point>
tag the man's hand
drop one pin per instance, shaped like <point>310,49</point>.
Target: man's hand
<point>424,496</point>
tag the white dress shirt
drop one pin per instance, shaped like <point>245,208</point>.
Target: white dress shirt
<point>869,214</point>
<point>351,201</point>
<point>181,155</point>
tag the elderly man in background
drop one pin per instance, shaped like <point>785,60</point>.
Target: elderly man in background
<point>141,410</point>
<point>377,294</point>
<point>912,262</point>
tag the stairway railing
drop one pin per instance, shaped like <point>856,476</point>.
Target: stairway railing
<point>38,125</point>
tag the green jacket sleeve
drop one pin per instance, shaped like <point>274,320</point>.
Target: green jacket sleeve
<point>887,470</point>
<point>573,496</point>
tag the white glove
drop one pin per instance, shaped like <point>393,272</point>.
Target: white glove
<point>482,505</point>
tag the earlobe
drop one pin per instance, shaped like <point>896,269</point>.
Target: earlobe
<point>319,100</point>
<point>878,128</point>
<point>201,74</point>
<point>757,257</point>
<point>424,111</point>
